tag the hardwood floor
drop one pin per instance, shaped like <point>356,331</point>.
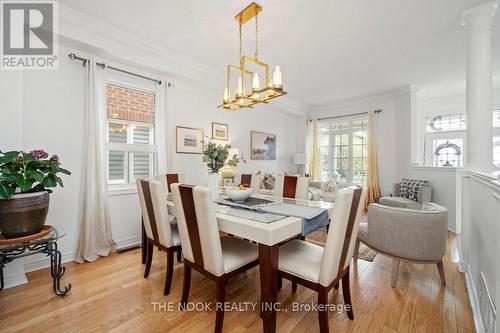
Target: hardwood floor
<point>111,295</point>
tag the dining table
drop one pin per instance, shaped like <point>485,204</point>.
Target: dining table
<point>268,230</point>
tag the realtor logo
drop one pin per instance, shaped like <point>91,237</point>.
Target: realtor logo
<point>29,31</point>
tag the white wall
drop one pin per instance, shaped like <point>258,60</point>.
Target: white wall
<point>479,207</point>
<point>45,109</point>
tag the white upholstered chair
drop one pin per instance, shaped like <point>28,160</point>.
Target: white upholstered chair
<point>203,249</point>
<point>251,180</point>
<point>291,187</point>
<point>159,231</point>
<point>167,179</point>
<point>321,268</point>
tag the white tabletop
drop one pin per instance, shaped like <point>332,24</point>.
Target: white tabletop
<point>265,233</point>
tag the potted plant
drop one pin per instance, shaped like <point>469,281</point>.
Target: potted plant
<point>25,179</point>
<point>217,156</point>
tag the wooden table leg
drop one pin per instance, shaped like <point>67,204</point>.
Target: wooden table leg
<point>144,242</point>
<point>268,259</point>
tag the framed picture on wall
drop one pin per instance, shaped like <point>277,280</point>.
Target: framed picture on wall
<point>189,140</point>
<point>262,146</point>
<point>220,131</point>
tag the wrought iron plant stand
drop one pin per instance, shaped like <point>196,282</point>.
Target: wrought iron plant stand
<point>47,245</point>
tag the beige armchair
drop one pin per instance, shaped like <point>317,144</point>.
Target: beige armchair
<point>413,235</point>
<point>424,194</point>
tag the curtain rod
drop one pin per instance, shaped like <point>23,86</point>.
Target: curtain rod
<point>348,115</point>
<point>73,56</point>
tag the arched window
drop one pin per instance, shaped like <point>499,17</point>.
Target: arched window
<point>447,154</point>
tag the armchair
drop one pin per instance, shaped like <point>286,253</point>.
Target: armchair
<point>413,235</point>
<point>423,193</point>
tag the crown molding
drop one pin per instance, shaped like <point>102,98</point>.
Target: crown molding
<point>352,102</point>
<point>129,46</point>
<point>483,13</point>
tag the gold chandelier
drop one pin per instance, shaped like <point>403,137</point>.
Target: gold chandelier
<point>248,88</point>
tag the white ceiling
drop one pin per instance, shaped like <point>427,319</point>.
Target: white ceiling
<point>329,50</point>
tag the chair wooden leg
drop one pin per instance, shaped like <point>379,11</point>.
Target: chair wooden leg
<point>221,297</point>
<point>356,251</point>
<point>149,259</point>
<point>280,282</point>
<point>323,313</point>
<point>294,286</point>
<point>395,271</point>
<point>170,271</point>
<point>179,255</point>
<point>185,286</point>
<point>346,293</point>
<point>441,273</point>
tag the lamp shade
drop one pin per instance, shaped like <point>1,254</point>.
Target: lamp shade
<point>300,158</point>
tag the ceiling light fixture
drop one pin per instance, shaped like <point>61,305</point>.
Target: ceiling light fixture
<point>248,89</point>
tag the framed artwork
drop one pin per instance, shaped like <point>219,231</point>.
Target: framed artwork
<point>189,140</point>
<point>262,146</point>
<point>220,131</point>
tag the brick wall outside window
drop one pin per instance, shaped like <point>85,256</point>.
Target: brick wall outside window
<point>129,104</point>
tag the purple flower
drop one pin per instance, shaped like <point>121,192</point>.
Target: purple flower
<point>39,154</point>
<point>54,158</point>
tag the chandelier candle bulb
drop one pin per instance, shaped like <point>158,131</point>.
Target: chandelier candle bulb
<point>271,92</point>
<point>226,95</point>
<point>255,82</point>
<point>277,82</point>
<point>239,92</point>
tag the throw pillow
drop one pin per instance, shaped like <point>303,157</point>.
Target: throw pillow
<point>267,180</point>
<point>408,188</point>
<point>329,186</point>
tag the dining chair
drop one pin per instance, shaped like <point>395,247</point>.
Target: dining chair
<point>321,268</point>
<point>218,258</point>
<point>167,179</point>
<point>159,231</point>
<point>252,181</point>
<point>293,187</point>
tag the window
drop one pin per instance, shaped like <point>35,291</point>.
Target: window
<point>445,140</point>
<point>496,138</point>
<point>450,122</point>
<point>131,150</point>
<point>448,153</point>
<point>343,150</point>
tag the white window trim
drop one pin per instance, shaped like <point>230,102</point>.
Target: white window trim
<point>349,131</point>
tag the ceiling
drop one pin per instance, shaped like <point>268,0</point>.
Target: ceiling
<point>329,50</point>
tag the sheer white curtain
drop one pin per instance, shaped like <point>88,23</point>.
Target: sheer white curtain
<point>95,228</point>
<point>312,145</point>
<point>163,127</point>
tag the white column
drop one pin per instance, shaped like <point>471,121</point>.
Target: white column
<point>478,21</point>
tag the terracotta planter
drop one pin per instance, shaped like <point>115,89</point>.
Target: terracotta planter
<point>23,214</point>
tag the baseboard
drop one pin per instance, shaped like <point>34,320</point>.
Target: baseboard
<point>15,280</point>
<point>44,262</point>
<point>128,242</point>
<point>474,302</point>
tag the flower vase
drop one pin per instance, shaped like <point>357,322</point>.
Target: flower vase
<point>213,184</point>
